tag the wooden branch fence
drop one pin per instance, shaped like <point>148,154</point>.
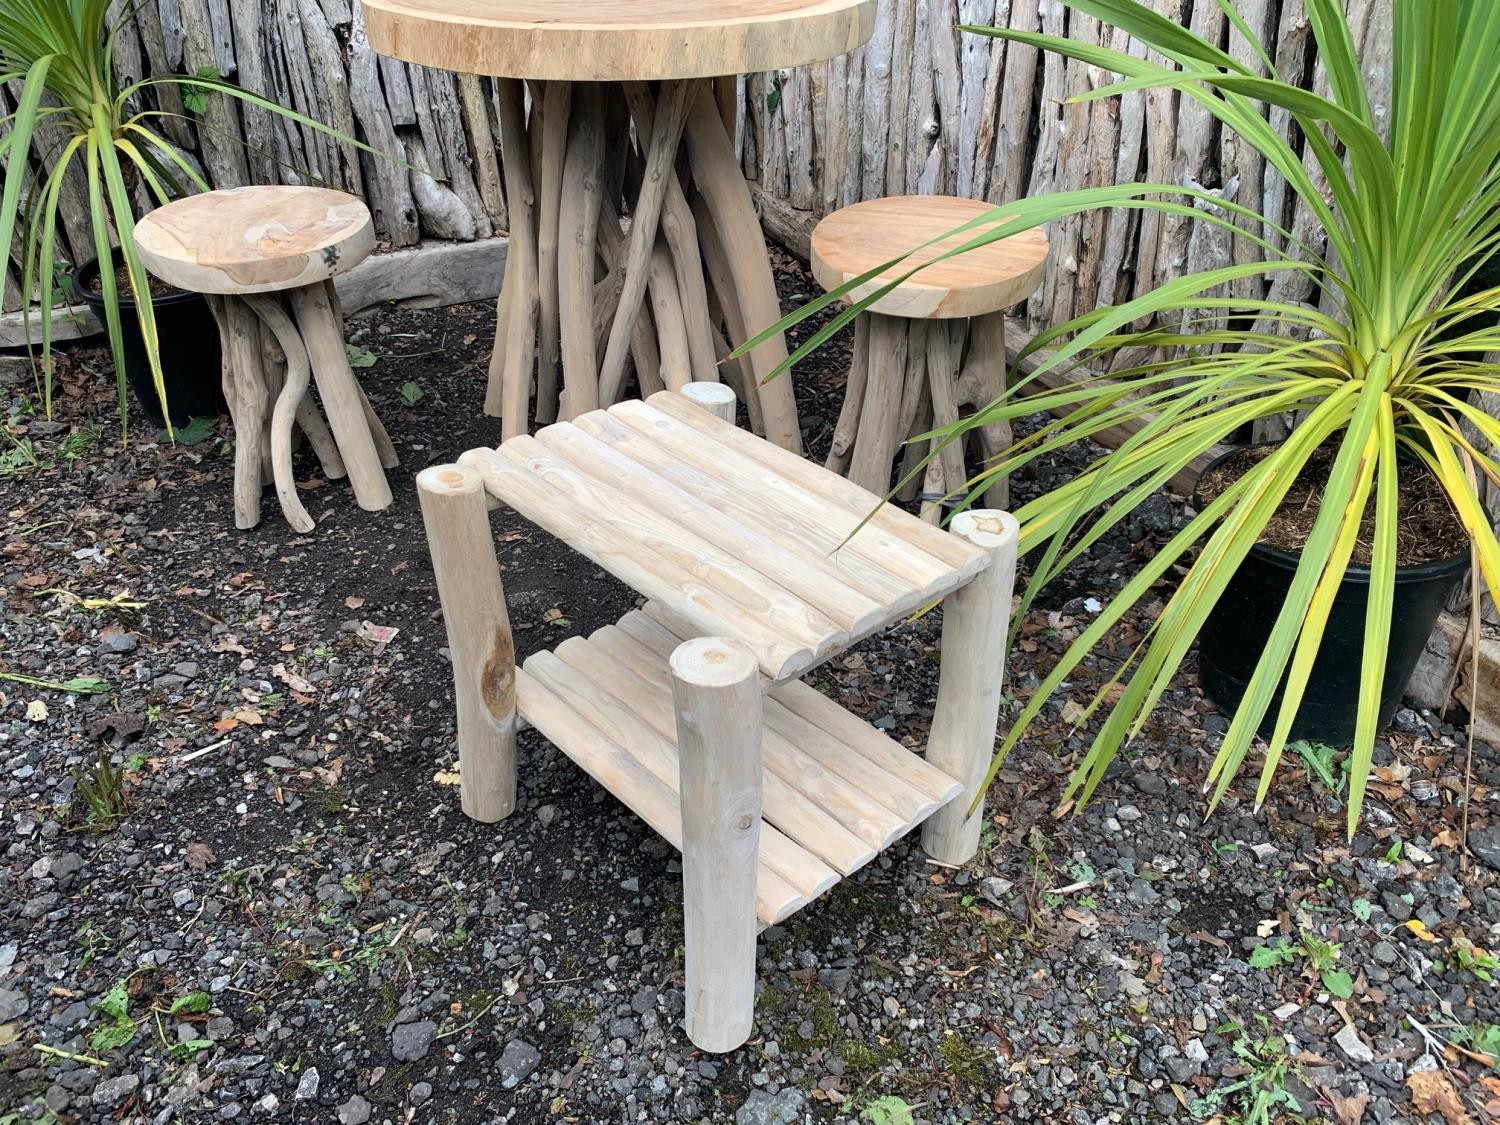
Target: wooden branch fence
<point>922,107</point>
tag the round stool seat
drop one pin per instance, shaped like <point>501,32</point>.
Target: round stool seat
<point>856,239</point>
<point>255,239</point>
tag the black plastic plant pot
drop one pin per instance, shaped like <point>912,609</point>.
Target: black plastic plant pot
<point>1235,634</point>
<point>189,342</point>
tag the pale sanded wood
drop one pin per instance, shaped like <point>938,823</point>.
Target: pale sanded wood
<point>681,233</point>
<point>242,347</point>
<point>519,338</point>
<point>780,519</point>
<point>613,656</point>
<point>557,106</point>
<point>980,383</point>
<point>724,309</point>
<point>880,409</point>
<point>847,426</point>
<point>631,782</point>
<point>255,239</point>
<point>717,700</point>
<point>657,567</point>
<point>324,339</point>
<point>942,378</point>
<point>626,517</point>
<point>839,763</point>
<point>832,817</point>
<point>716,174</point>
<point>671,326</point>
<point>290,398</point>
<point>586,679</point>
<point>616,40</point>
<point>868,529</point>
<point>666,133</point>
<point>582,195</point>
<point>784,563</point>
<point>856,501</point>
<point>716,398</point>
<point>976,625</point>
<point>857,239</point>
<point>480,647</point>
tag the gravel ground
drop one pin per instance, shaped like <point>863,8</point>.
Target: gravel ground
<point>291,920</point>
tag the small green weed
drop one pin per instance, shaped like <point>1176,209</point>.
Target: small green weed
<point>118,1028</point>
<point>891,1109</point>
<point>80,442</point>
<point>1321,763</point>
<point>411,393</point>
<point>196,432</point>
<point>360,357</point>
<point>1321,957</point>
<point>101,788</point>
<point>1260,1096</point>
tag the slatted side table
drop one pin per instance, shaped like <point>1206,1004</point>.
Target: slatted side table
<point>266,256</point>
<point>758,566</point>
<point>932,345</point>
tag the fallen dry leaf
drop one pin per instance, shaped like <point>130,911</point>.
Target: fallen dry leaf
<point>446,777</point>
<point>354,601</point>
<point>199,855</point>
<point>225,725</point>
<point>1350,1110</point>
<point>249,718</point>
<point>1419,929</point>
<point>1432,1092</point>
<point>291,679</point>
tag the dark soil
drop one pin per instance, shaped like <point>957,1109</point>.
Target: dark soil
<point>292,873</point>
<point>158,287</point>
<point>1428,530</point>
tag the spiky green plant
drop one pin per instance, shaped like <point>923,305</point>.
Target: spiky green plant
<point>1384,381</point>
<point>63,50</point>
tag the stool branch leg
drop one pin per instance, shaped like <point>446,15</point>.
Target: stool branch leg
<point>976,621</point>
<point>456,515</point>
<point>716,694</point>
<point>288,401</point>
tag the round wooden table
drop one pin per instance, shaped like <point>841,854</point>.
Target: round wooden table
<point>573,81</point>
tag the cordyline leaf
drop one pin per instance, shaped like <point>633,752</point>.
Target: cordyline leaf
<point>1381,373</point>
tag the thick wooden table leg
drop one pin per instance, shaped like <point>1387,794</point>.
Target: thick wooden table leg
<point>293,391</point>
<point>976,621</point>
<point>666,133</point>
<point>323,337</point>
<point>250,413</point>
<point>716,694</point>
<point>557,103</point>
<point>480,647</point>
<point>509,391</point>
<point>875,444</point>
<point>716,173</point>
<point>980,383</point>
<point>582,192</point>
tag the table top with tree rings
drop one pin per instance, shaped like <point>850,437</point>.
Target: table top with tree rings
<point>616,40</point>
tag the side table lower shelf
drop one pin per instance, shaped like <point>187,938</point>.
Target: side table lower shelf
<point>836,790</point>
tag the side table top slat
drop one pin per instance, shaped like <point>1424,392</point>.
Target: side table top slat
<point>727,533</point>
<point>778,518</point>
<point>785,563</point>
<point>653,565</point>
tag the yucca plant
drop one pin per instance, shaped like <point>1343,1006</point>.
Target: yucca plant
<point>63,50</point>
<point>1382,384</point>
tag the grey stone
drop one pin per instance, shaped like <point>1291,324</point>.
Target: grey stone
<point>118,644</point>
<point>1142,893</point>
<point>761,1108</point>
<point>307,1085</point>
<point>517,1062</point>
<point>412,1041</point>
<point>1180,1068</point>
<point>420,1093</point>
<point>1352,1045</point>
<point>13,1003</point>
<point>1484,843</point>
<point>546,815</point>
<point>356,1111</point>
<point>1396,906</point>
<point>112,1091</point>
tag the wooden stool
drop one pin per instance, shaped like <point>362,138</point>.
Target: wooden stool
<point>265,257</point>
<point>934,343</point>
<point>759,566</point>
